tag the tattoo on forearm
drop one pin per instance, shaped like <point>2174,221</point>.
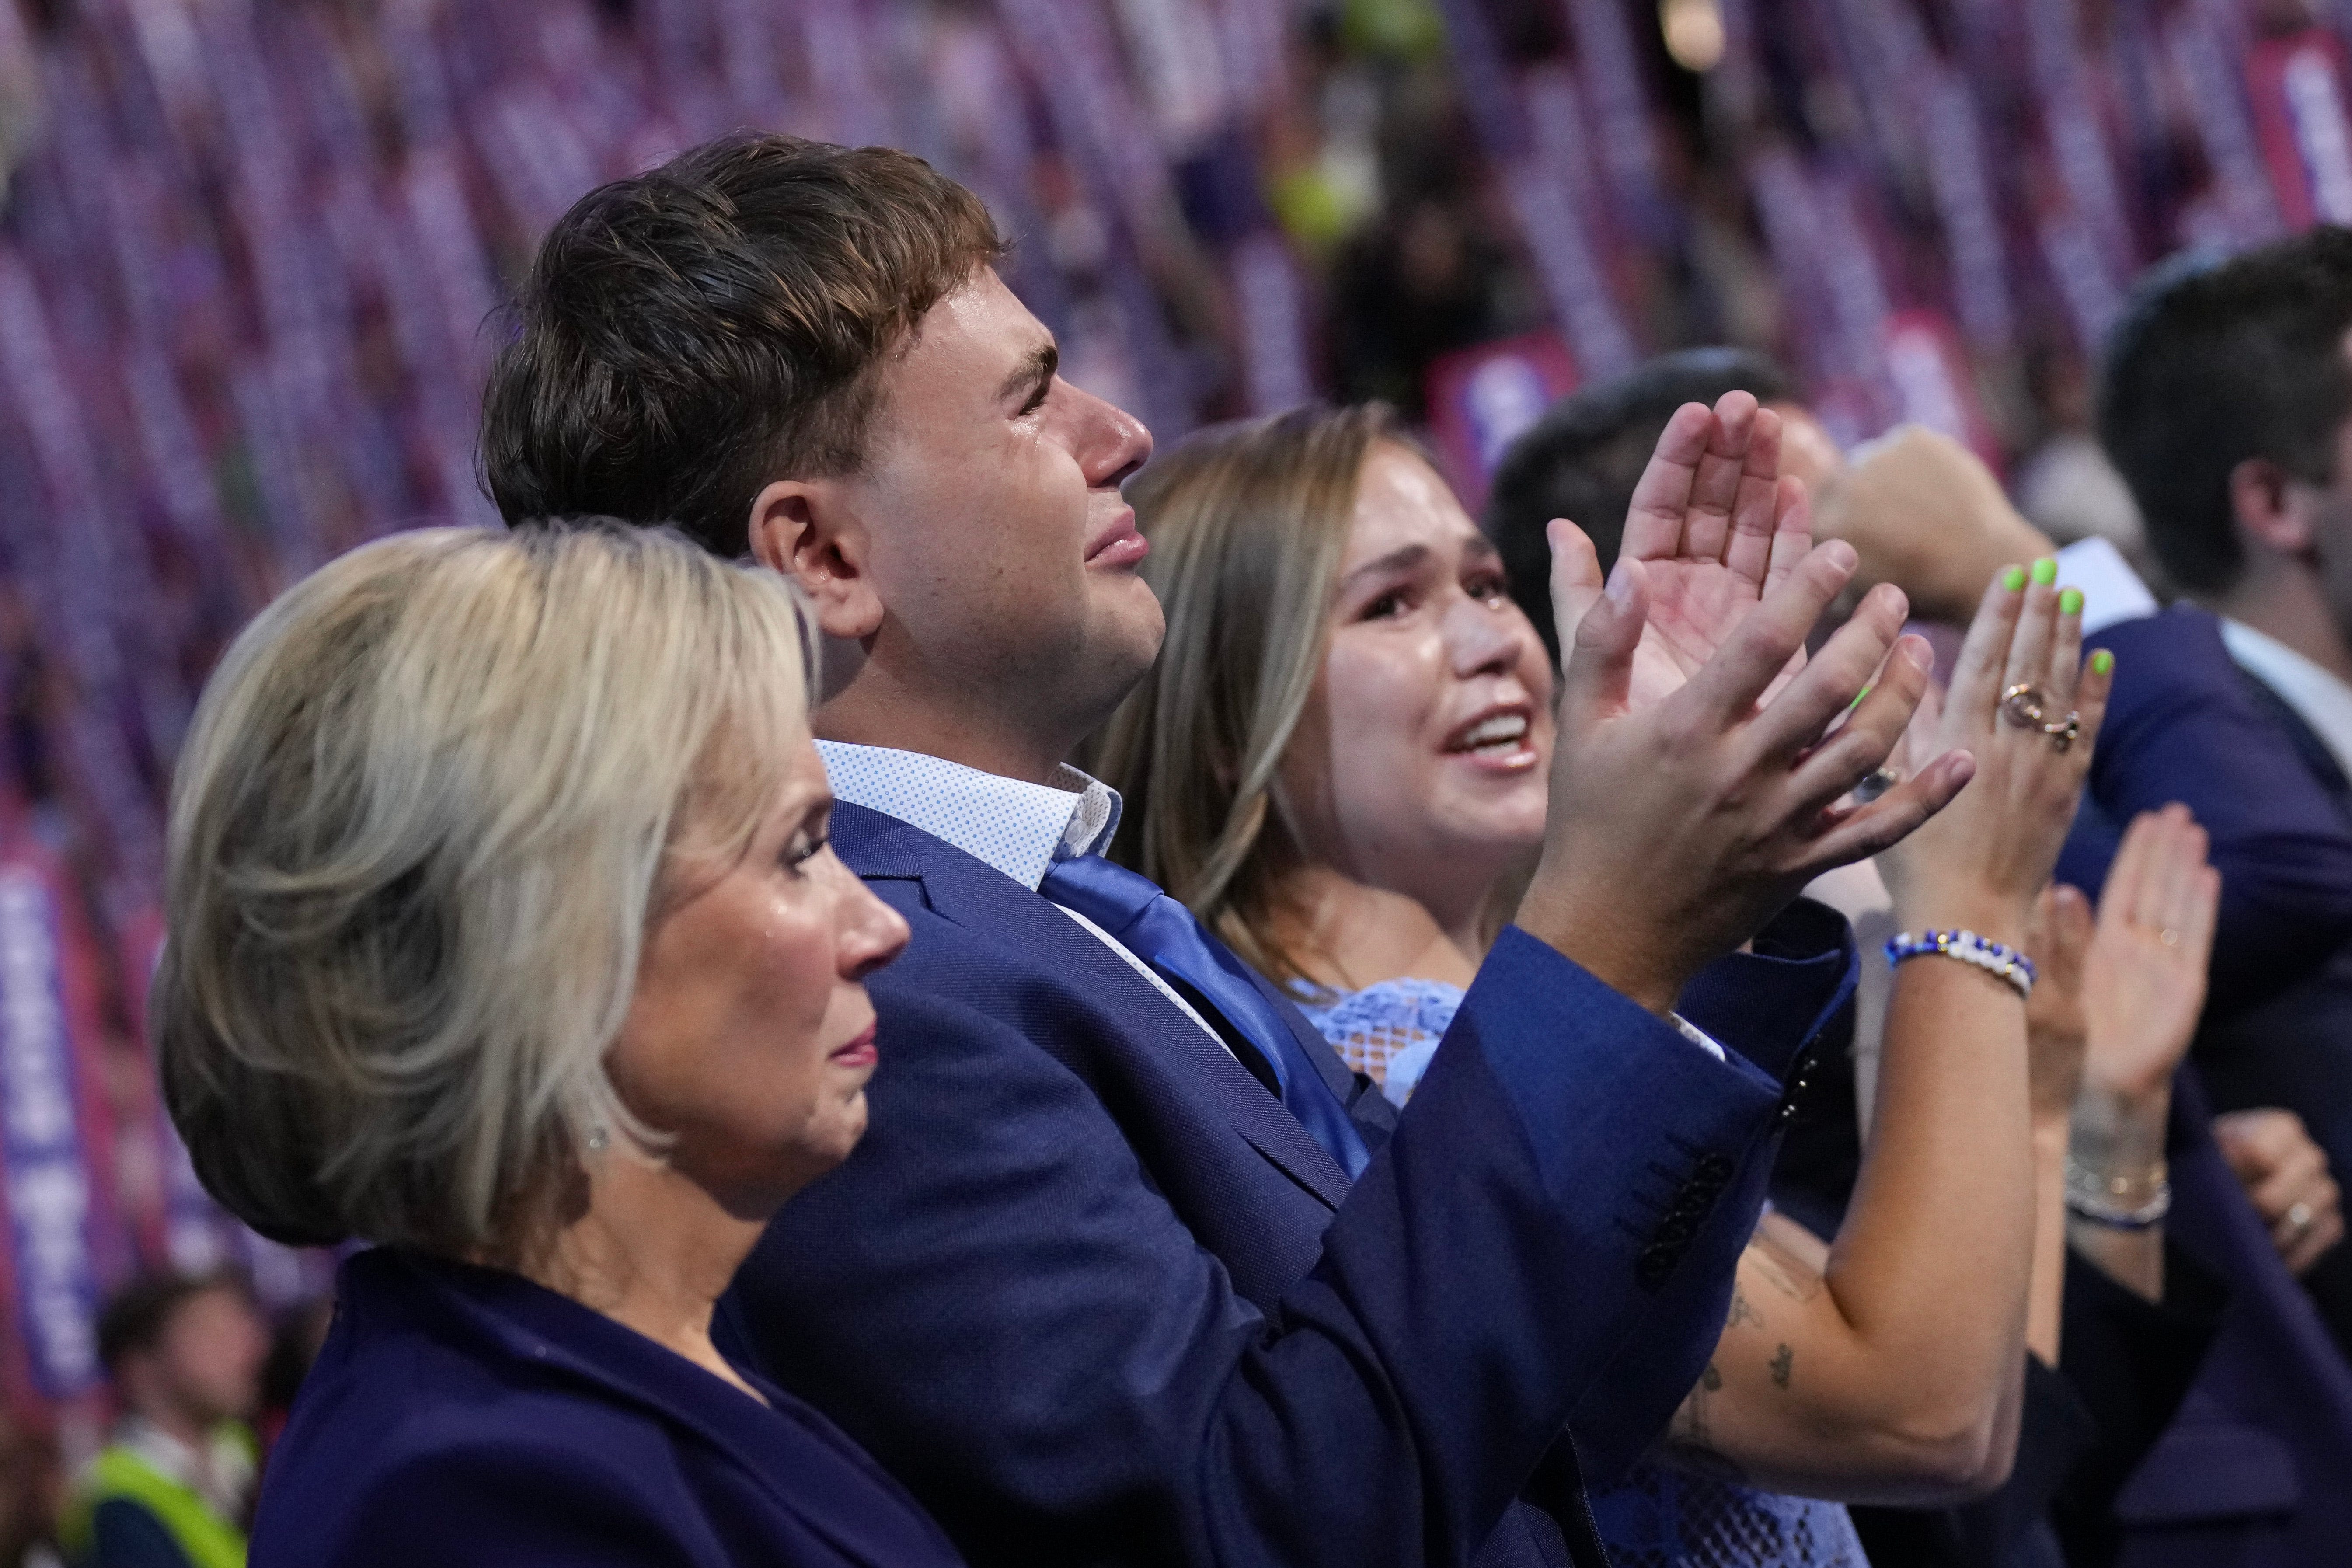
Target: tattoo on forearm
<point>1783,1360</point>
<point>1689,1445</point>
<point>1741,1312</point>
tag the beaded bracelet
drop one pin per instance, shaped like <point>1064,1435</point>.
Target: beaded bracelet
<point>1993,957</point>
<point>2106,1200</point>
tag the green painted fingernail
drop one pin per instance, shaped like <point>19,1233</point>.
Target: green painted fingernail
<point>1857,699</point>
<point>2013,579</point>
<point>2069,603</point>
<point>2045,571</point>
<point>2101,662</point>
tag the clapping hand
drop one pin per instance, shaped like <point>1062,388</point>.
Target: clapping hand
<point>1712,526</point>
<point>2144,980</point>
<point>1697,784</point>
<point>1925,515</point>
<point>1981,865</point>
<point>2286,1174</point>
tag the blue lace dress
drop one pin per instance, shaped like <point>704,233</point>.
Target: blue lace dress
<point>1656,1517</point>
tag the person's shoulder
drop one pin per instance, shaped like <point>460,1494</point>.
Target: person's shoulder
<point>410,1467</point>
<point>2177,650</point>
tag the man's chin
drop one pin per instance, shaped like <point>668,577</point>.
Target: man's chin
<point>1125,638</point>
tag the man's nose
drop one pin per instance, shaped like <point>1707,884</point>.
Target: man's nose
<point>1112,443</point>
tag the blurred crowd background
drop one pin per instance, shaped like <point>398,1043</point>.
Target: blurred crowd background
<point>252,254</point>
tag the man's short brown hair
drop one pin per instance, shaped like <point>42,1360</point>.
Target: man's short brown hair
<point>690,334</point>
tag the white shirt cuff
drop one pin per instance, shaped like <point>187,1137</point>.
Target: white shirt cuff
<point>2111,590</point>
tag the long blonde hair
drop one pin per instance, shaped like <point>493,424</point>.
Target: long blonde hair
<point>1248,524</point>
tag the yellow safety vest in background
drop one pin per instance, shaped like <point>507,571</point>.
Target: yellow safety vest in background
<point>204,1538</point>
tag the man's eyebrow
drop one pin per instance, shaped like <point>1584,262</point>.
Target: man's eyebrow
<point>1034,371</point>
<point>1396,560</point>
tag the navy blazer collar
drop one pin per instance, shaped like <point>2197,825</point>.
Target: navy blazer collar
<point>783,1447</point>
<point>997,910</point>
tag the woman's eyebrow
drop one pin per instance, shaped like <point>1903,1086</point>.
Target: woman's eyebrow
<point>1396,560</point>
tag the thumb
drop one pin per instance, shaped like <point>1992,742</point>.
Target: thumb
<point>1599,678</point>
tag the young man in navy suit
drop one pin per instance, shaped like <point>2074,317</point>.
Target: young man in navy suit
<point>1130,1269</point>
<point>2227,405</point>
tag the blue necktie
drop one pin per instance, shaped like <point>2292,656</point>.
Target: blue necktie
<point>1163,933</point>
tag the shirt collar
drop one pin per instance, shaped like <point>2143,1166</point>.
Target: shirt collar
<point>2319,697</point>
<point>1019,828</point>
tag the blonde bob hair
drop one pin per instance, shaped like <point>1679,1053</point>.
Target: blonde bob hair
<point>1248,524</point>
<point>418,832</point>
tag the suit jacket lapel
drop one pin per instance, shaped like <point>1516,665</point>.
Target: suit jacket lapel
<point>1037,935</point>
<point>2305,740</point>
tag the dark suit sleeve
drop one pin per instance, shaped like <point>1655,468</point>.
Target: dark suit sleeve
<point>993,1298</point>
<point>125,1535</point>
<point>2182,725</point>
<point>506,1504</point>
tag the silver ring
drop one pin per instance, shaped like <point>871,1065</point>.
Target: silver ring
<point>2298,1219</point>
<point>1875,783</point>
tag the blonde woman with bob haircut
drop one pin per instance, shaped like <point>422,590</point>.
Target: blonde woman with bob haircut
<point>504,934</point>
<point>1341,763</point>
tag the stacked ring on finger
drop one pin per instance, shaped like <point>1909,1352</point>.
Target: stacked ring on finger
<point>2023,706</point>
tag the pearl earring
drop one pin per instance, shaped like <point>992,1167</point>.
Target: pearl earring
<point>597,1138</point>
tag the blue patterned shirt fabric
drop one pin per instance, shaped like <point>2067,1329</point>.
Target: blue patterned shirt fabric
<point>1388,1031</point>
<point>1656,1517</point>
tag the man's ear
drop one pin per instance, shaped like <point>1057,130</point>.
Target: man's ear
<point>2263,499</point>
<point>809,531</point>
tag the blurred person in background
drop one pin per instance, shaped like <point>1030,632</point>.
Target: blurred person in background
<point>174,1489</point>
<point>2226,402</point>
<point>1390,781</point>
<point>504,933</point>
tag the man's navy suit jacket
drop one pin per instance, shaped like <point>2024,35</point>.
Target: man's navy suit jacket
<point>2184,723</point>
<point>1092,1293</point>
<point>2252,1470</point>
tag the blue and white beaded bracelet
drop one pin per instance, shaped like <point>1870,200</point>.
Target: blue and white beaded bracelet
<point>1993,957</point>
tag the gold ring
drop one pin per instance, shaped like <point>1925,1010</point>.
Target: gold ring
<point>2062,731</point>
<point>2022,706</point>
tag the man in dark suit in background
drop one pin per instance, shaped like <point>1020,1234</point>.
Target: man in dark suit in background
<point>1130,1269</point>
<point>2227,405</point>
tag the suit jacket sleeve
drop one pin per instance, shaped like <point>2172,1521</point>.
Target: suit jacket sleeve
<point>993,1298</point>
<point>2182,726</point>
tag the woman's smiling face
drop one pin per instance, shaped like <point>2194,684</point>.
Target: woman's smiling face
<point>1423,759</point>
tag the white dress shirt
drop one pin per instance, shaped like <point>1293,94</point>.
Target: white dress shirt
<point>1018,828</point>
<point>2319,698</point>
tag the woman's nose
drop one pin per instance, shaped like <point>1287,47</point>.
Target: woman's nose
<point>1479,640</point>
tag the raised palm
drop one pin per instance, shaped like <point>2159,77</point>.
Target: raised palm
<point>1714,526</point>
